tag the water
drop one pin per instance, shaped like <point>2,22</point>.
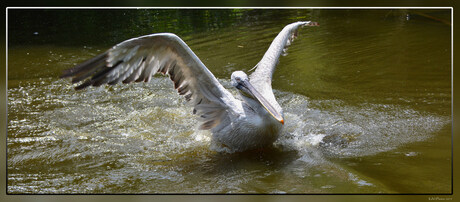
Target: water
<point>366,97</point>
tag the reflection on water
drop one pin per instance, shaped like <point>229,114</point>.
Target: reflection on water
<point>366,98</point>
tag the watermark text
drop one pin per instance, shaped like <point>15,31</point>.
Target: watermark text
<point>437,198</point>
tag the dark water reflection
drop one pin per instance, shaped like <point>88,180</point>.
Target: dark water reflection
<point>366,96</point>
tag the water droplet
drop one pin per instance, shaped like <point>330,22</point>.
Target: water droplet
<point>327,187</point>
<point>411,154</point>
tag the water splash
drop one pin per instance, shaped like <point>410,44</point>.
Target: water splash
<point>345,131</point>
<point>141,133</point>
<point>153,112</point>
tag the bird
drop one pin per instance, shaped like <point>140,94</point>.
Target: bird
<point>252,120</point>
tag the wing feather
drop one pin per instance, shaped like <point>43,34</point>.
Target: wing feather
<point>266,66</point>
<point>261,78</point>
<point>139,59</point>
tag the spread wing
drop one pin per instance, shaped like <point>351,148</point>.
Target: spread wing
<point>138,59</point>
<point>261,78</point>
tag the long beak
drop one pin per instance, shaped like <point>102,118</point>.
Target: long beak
<point>263,101</point>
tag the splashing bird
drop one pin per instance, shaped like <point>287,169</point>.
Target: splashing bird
<point>251,121</point>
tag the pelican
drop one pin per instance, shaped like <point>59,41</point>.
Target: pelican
<point>251,121</point>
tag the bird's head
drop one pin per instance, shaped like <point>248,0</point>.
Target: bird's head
<point>239,78</point>
<point>241,82</point>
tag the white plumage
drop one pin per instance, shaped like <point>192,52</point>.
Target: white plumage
<point>253,121</point>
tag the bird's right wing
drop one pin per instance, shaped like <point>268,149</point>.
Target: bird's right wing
<point>138,59</point>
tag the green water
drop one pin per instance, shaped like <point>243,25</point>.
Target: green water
<point>366,97</point>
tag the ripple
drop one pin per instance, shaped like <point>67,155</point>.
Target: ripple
<point>145,133</point>
<point>343,130</point>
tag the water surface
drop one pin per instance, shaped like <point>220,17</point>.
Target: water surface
<point>366,97</point>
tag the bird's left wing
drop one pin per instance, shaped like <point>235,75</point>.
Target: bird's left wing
<point>266,66</point>
<point>261,78</point>
<point>138,59</point>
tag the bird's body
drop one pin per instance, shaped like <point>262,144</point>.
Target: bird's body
<point>250,122</point>
<point>250,127</point>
